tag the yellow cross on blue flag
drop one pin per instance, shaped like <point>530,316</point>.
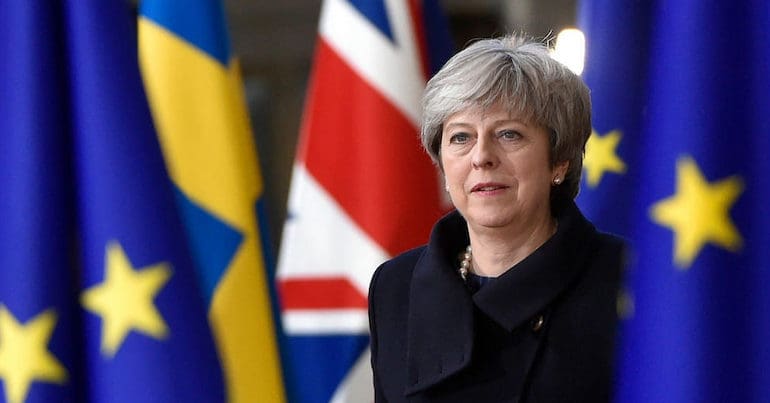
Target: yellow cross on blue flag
<point>678,164</point>
<point>99,301</point>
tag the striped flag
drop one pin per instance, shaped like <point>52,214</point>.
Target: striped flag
<point>362,189</point>
<point>195,92</point>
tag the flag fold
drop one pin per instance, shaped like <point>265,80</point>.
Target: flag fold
<point>677,164</point>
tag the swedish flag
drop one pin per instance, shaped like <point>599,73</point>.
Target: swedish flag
<point>678,163</point>
<point>98,298</point>
<point>196,96</point>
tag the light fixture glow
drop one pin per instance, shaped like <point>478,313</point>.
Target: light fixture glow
<point>570,49</point>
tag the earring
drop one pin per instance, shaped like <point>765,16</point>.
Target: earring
<point>557,181</point>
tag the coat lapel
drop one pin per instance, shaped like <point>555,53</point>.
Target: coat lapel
<point>440,325</point>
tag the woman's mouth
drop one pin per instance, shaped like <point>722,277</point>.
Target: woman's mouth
<point>488,187</point>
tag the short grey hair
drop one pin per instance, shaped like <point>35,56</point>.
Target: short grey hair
<point>520,73</point>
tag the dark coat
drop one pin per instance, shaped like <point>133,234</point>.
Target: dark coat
<point>541,332</point>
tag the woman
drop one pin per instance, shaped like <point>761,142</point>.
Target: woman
<point>513,298</point>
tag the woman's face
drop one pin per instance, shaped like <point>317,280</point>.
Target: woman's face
<point>497,168</point>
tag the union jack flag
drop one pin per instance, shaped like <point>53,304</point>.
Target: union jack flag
<point>362,188</point>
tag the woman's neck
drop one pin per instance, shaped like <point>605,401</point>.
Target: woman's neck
<point>495,250</point>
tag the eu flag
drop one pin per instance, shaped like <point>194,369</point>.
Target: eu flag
<point>98,297</point>
<point>678,164</point>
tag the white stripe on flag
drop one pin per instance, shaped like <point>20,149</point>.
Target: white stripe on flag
<point>307,250</point>
<point>325,321</point>
<point>394,69</point>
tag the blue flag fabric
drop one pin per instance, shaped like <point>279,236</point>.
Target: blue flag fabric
<point>35,209</point>
<point>98,299</point>
<point>678,164</point>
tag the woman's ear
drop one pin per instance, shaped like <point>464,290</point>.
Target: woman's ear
<point>563,167</point>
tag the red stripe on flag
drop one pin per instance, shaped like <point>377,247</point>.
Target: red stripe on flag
<point>320,293</point>
<point>368,156</point>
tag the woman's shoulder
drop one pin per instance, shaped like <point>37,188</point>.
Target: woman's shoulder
<point>613,246</point>
<point>606,240</point>
<point>396,271</point>
<point>592,242</point>
<point>389,289</point>
<point>607,259</point>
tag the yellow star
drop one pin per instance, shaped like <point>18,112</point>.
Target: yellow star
<point>125,299</point>
<point>24,354</point>
<point>601,156</point>
<point>699,212</point>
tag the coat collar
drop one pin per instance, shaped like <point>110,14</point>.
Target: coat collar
<point>528,287</point>
<point>440,324</point>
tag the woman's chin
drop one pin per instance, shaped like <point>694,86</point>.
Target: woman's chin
<point>490,220</point>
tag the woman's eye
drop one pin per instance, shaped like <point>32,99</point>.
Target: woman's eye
<point>509,134</point>
<point>459,138</point>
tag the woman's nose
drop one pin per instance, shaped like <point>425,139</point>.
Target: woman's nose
<point>484,155</point>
